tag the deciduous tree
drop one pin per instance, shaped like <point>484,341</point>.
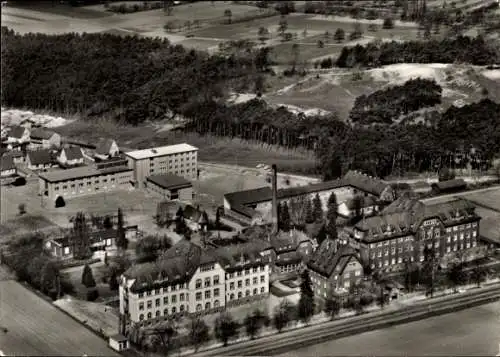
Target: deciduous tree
<point>225,327</point>
<point>198,332</point>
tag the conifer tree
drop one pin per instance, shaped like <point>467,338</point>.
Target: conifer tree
<point>317,209</point>
<point>306,302</point>
<point>331,216</point>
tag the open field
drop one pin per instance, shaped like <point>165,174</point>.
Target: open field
<point>489,199</point>
<point>37,328</point>
<point>336,90</point>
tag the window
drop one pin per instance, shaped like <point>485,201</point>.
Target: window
<point>240,295</point>
<point>255,280</point>
<point>262,290</point>
<point>198,296</point>
<point>207,305</point>
<point>255,291</point>
<point>239,273</point>
<point>240,283</point>
<point>262,278</point>
<point>72,185</point>
<point>448,239</point>
<point>262,268</point>
<point>157,302</point>
<point>207,282</point>
<point>89,183</point>
<point>65,187</point>
<point>150,315</point>
<point>198,283</point>
<point>141,295</point>
<point>216,303</point>
<point>148,293</point>
<point>141,317</point>
<point>231,297</point>
<point>247,293</point>
<point>199,307</point>
<point>216,292</point>
<point>207,294</point>
<point>231,285</point>
<point>357,273</point>
<point>247,282</point>
<point>150,304</point>
<point>141,306</point>
<point>216,279</point>
<point>157,313</point>
<point>165,300</point>
<point>181,297</point>
<point>165,312</point>
<point>173,288</point>
<point>157,291</point>
<point>181,308</point>
<point>254,270</point>
<point>173,310</point>
<point>174,299</point>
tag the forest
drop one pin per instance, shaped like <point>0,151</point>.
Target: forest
<point>450,50</point>
<point>128,78</point>
<point>386,105</point>
<point>135,79</point>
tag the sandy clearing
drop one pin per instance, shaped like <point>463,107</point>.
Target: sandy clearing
<point>492,74</point>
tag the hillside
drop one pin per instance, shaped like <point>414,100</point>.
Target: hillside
<point>336,90</point>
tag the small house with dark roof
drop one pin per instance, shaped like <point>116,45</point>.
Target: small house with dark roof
<point>7,167</point>
<point>106,149</point>
<point>18,135</point>
<point>44,139</point>
<point>70,156</point>
<point>449,186</point>
<point>334,268</point>
<point>170,187</point>
<point>39,159</point>
<point>62,247</point>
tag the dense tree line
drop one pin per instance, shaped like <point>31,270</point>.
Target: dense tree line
<point>130,78</point>
<point>386,105</point>
<point>449,50</point>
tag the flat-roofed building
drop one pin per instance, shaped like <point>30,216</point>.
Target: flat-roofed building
<point>181,160</point>
<point>83,181</point>
<point>170,187</point>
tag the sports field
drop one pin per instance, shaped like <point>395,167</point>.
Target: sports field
<point>37,328</point>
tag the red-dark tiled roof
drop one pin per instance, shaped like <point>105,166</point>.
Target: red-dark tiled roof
<point>6,163</point>
<point>39,157</point>
<point>104,146</point>
<point>450,185</point>
<point>41,134</point>
<point>326,259</point>
<point>73,153</point>
<point>16,132</point>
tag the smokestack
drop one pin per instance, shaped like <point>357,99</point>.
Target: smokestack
<point>275,198</point>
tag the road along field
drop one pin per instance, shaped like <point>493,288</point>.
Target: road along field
<point>37,328</point>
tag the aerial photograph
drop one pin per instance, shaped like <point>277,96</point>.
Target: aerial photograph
<point>250,178</point>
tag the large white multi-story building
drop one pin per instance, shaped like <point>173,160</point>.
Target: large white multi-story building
<point>188,279</point>
<point>180,160</point>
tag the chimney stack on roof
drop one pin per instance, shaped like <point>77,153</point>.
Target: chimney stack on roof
<point>275,198</point>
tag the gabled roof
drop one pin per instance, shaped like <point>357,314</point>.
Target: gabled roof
<point>16,132</point>
<point>366,201</point>
<point>104,146</point>
<point>7,163</point>
<point>403,218</point>
<point>41,134</point>
<point>288,241</point>
<point>365,183</point>
<point>73,153</point>
<point>241,256</point>
<point>192,213</point>
<point>450,184</point>
<point>39,157</point>
<point>169,181</point>
<point>327,259</point>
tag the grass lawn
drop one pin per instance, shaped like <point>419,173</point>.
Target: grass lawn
<point>199,43</point>
<point>283,53</point>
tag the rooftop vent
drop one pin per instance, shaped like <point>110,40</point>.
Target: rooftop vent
<point>154,151</point>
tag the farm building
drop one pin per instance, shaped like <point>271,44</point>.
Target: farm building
<point>181,160</point>
<point>83,181</point>
<point>44,139</point>
<point>170,187</point>
<point>39,159</point>
<point>106,149</point>
<point>254,205</point>
<point>70,156</point>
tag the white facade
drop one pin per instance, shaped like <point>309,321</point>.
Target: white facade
<point>180,160</point>
<point>209,288</point>
<point>62,158</point>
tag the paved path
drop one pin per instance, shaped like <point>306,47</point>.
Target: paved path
<point>459,194</point>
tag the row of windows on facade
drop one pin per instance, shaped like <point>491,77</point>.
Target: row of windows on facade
<point>421,258</point>
<point>165,290</point>
<point>347,274</point>
<point>247,293</point>
<point>289,268</point>
<point>411,239</point>
<point>246,271</point>
<point>410,248</point>
<point>96,182</point>
<point>183,155</point>
<point>182,308</point>
<point>176,172</point>
<point>247,282</point>
<point>171,162</point>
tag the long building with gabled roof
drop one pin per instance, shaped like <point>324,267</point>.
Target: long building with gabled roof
<point>188,279</point>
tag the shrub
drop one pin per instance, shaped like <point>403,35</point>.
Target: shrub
<point>92,294</point>
<point>388,23</point>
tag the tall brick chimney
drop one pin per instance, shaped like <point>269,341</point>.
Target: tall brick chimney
<point>275,198</point>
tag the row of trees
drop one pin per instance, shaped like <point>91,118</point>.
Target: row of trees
<point>386,105</point>
<point>449,50</point>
